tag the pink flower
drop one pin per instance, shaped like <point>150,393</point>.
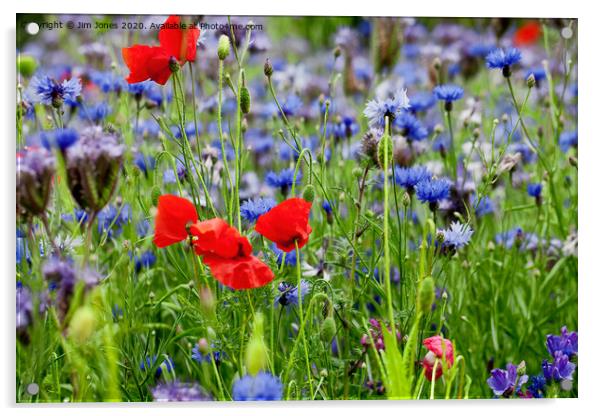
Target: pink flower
<point>436,345</point>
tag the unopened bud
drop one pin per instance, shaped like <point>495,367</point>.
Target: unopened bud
<point>268,69</point>
<point>328,329</point>
<point>82,324</point>
<point>245,100</point>
<point>309,193</point>
<point>223,47</point>
<point>531,81</point>
<point>426,294</point>
<point>203,345</point>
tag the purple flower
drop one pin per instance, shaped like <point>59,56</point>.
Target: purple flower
<point>377,110</point>
<point>502,59</point>
<point>432,190</point>
<point>534,189</point>
<point>46,90</point>
<point>457,235</point>
<point>262,387</point>
<point>252,209</point>
<point>566,343</point>
<point>505,382</point>
<point>93,164</point>
<point>448,92</point>
<point>289,294</point>
<point>559,369</point>
<point>177,391</point>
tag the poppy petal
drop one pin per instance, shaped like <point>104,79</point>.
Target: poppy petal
<point>136,58</point>
<point>173,216</point>
<point>286,223</point>
<point>240,272</point>
<point>217,237</point>
<point>177,41</point>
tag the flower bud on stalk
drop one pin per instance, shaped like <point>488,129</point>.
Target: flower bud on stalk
<point>35,170</point>
<point>256,354</point>
<point>223,47</point>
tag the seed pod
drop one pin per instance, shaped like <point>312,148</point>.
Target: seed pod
<point>82,324</point>
<point>328,329</point>
<point>309,193</point>
<point>155,194</point>
<point>223,47</point>
<point>426,294</point>
<point>385,143</point>
<point>245,100</point>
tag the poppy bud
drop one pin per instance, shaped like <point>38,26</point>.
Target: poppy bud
<point>245,100</point>
<point>256,354</point>
<point>82,324</point>
<point>203,346</point>
<point>309,193</point>
<point>155,194</point>
<point>223,47</point>
<point>328,329</point>
<point>385,144</point>
<point>268,70</point>
<point>426,294</point>
<point>27,65</point>
<point>207,301</point>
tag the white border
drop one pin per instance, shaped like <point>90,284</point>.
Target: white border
<point>590,287</point>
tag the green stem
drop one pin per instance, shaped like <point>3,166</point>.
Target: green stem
<point>387,260</point>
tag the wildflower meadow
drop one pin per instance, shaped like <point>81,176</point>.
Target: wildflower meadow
<point>295,208</point>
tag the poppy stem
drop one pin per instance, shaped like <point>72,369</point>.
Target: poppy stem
<point>302,320</point>
<point>387,260</point>
<point>220,84</point>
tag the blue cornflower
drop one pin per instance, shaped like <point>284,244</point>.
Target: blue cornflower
<point>410,177</point>
<point>283,179</point>
<point>290,258</point>
<point>177,391</point>
<point>46,90</point>
<point>111,219</point>
<point>500,59</point>
<point>537,387</point>
<point>291,105</point>
<point>346,128</point>
<point>251,209</point>
<point>567,140</point>
<point>326,207</point>
<point>108,81</point>
<point>139,88</point>
<point>146,260</point>
<point>448,93</point>
<point>289,294</point>
<point>511,237</point>
<point>561,368</point>
<point>432,191</point>
<point>262,387</point>
<point>441,143</point>
<point>200,358</point>
<point>534,190</point>
<point>142,228</point>
<point>149,362</point>
<point>60,138</point>
<point>538,73</point>
<point>95,113</point>
<point>566,342</point>
<point>410,127</point>
<point>480,50</point>
<point>377,110</point>
<point>483,206</point>
<point>144,163</point>
<point>422,101</point>
<point>457,235</point>
<point>505,382</point>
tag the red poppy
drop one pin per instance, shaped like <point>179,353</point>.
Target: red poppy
<point>246,272</point>
<point>174,215</point>
<point>286,223</point>
<point>217,237</point>
<point>177,46</point>
<point>435,346</point>
<point>527,34</point>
